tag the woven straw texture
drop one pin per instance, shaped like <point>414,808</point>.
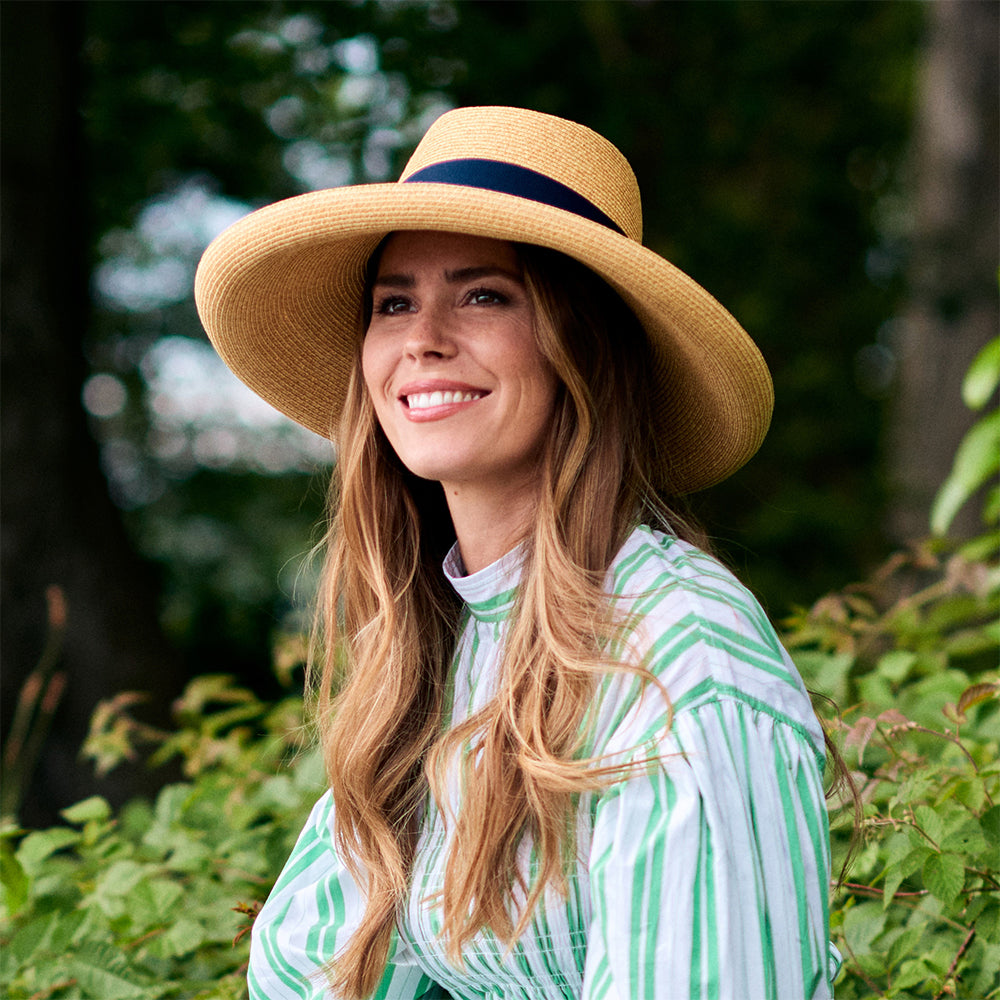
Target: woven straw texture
<point>280,291</point>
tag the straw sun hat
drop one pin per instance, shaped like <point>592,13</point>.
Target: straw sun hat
<point>280,291</point>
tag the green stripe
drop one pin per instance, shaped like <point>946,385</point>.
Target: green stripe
<point>600,984</point>
<point>763,914</point>
<point>577,930</point>
<point>712,927</point>
<point>701,917</point>
<point>279,966</point>
<point>639,912</point>
<point>494,608</point>
<point>664,788</point>
<point>625,570</point>
<point>710,689</point>
<point>795,857</point>
<point>820,842</point>
<point>746,650</point>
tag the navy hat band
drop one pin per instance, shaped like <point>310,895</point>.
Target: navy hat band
<point>508,178</point>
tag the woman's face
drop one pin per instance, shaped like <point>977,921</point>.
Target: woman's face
<point>451,363</point>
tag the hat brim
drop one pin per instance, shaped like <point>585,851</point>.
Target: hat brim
<point>279,293</point>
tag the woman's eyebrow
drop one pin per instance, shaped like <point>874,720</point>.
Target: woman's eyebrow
<point>485,271</point>
<point>396,280</point>
<point>460,274</point>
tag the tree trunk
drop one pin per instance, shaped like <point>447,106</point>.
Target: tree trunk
<point>952,310</point>
<point>59,524</point>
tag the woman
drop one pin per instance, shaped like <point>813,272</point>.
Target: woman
<point>576,762</point>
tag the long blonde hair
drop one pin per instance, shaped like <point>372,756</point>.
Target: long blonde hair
<point>389,622</point>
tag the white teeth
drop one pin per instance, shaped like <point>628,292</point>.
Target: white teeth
<point>425,400</point>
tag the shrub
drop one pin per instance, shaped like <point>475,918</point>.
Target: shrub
<point>914,654</point>
<point>141,904</point>
<point>918,915</point>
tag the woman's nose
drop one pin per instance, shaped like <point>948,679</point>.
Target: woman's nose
<point>429,335</point>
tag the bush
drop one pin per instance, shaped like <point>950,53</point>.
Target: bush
<point>914,653</point>
<point>919,913</point>
<point>141,905</point>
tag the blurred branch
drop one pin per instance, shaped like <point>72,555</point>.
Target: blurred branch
<point>36,706</point>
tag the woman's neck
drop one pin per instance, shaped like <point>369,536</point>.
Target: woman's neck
<point>489,522</point>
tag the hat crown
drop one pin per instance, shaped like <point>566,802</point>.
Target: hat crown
<point>566,152</point>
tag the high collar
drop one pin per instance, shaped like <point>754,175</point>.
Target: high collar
<point>490,593</point>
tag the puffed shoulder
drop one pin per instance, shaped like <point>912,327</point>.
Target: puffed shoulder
<point>711,861</point>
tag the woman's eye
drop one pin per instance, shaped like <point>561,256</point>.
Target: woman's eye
<point>486,297</point>
<point>392,305</point>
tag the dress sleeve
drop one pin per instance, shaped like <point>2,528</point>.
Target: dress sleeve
<point>312,911</point>
<point>710,867</point>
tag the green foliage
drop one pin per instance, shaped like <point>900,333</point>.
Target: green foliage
<point>918,914</point>
<point>140,905</point>
<point>977,461</point>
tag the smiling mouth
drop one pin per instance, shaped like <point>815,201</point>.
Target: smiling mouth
<point>428,400</point>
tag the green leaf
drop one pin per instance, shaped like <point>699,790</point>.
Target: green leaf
<point>971,793</point>
<point>895,848</point>
<point>977,459</point>
<point>104,974</point>
<point>206,689</point>
<point>188,855</point>
<point>988,920</point>
<point>967,840</point>
<point>930,822</point>
<point>944,876</point>
<point>40,845</point>
<point>895,851</point>
<point>990,823</point>
<point>986,546</point>
<point>875,689</point>
<point>38,942</point>
<point>916,859</point>
<point>912,972</point>
<point>232,987</point>
<point>991,514</point>
<point>171,801</point>
<point>862,925</point>
<point>982,969</point>
<point>14,880</point>
<point>969,642</point>
<point>182,937</point>
<point>94,809</point>
<point>825,673</point>
<point>982,377</point>
<point>904,945</point>
<point>153,900</point>
<point>893,880</point>
<point>894,666</point>
<point>33,938</point>
<point>114,883</point>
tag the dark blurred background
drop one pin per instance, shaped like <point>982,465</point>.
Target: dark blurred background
<point>828,170</point>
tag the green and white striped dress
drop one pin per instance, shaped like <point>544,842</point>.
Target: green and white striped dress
<point>703,875</point>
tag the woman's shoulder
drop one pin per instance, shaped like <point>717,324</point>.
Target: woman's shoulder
<point>653,562</point>
<point>663,581</point>
<point>701,632</point>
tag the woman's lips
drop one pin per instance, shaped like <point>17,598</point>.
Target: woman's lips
<point>427,400</point>
<point>433,401</point>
